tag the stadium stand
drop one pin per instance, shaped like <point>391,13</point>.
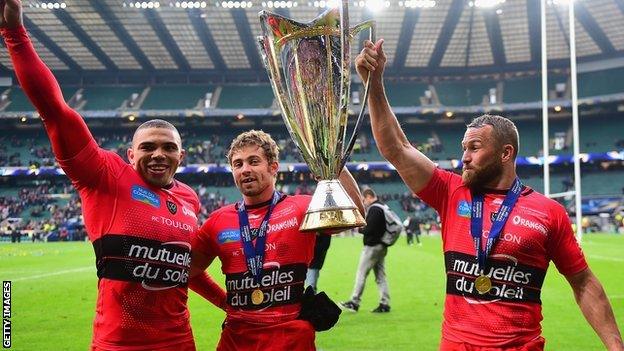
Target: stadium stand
<point>19,103</point>
<point>175,97</point>
<point>440,141</point>
<point>108,98</point>
<point>463,93</point>
<point>522,90</point>
<point>603,82</point>
<point>405,94</point>
<point>246,96</point>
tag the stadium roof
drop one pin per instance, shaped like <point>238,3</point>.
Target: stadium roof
<point>208,41</point>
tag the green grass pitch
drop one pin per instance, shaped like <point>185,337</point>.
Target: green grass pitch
<point>54,291</point>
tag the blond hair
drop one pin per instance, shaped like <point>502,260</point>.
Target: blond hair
<point>255,138</point>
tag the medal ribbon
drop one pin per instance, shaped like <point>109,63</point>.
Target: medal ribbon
<point>254,256</point>
<point>476,221</point>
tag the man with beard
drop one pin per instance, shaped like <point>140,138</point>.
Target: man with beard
<point>263,254</point>
<point>138,217</point>
<point>493,286</point>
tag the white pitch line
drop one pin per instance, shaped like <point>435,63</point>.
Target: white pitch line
<point>75,270</point>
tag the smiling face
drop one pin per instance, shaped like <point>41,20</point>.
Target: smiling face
<point>483,164</point>
<point>253,174</point>
<point>156,154</point>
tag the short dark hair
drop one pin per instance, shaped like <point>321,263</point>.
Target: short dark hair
<point>255,138</point>
<point>156,123</point>
<point>369,192</point>
<point>503,130</point>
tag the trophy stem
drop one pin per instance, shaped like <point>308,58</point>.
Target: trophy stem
<point>331,209</point>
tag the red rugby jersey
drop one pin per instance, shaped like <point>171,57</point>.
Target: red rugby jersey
<point>288,253</point>
<point>141,234</point>
<point>538,231</point>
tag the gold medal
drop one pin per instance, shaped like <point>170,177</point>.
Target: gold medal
<point>483,284</point>
<point>257,297</point>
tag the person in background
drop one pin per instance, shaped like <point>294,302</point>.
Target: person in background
<point>373,256</point>
<point>321,246</point>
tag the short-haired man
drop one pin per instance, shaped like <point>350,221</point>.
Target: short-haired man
<point>493,286</point>
<point>263,254</point>
<point>373,256</point>
<point>138,217</point>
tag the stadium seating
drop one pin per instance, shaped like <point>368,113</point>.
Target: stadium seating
<point>405,94</point>
<point>246,96</point>
<point>449,93</point>
<point>20,103</point>
<point>463,93</point>
<point>175,97</point>
<point>605,82</point>
<point>108,98</point>
<point>599,134</point>
<point>522,90</point>
<point>592,182</point>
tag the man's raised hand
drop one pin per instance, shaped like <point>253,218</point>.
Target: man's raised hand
<point>10,13</point>
<point>372,60</point>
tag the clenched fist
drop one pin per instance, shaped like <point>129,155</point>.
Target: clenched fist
<point>371,60</point>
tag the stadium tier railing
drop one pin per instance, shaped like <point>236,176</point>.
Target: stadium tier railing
<point>352,166</point>
<point>267,112</point>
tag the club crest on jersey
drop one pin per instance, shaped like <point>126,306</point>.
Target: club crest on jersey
<point>172,207</point>
<point>145,196</point>
<point>493,216</point>
<point>228,236</point>
<point>463,209</point>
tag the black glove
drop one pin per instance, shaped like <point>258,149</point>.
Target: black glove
<point>319,310</point>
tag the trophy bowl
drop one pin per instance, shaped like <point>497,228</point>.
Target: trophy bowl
<point>309,68</point>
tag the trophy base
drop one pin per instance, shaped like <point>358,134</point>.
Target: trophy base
<point>331,209</point>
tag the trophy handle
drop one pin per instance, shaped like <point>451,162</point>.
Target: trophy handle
<point>358,122</point>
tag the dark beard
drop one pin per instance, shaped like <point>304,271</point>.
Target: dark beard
<point>481,177</point>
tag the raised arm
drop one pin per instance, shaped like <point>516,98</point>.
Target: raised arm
<point>592,299</point>
<point>67,131</point>
<point>413,166</point>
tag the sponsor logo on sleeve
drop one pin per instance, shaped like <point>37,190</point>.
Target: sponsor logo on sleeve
<point>233,235</point>
<point>228,236</point>
<point>145,196</point>
<point>188,212</point>
<point>463,209</point>
<point>523,222</point>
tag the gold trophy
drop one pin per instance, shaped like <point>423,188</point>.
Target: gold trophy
<point>309,67</point>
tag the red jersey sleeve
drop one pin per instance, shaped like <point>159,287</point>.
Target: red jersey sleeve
<point>436,192</point>
<point>87,168</point>
<point>67,131</point>
<point>563,248</point>
<point>207,288</point>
